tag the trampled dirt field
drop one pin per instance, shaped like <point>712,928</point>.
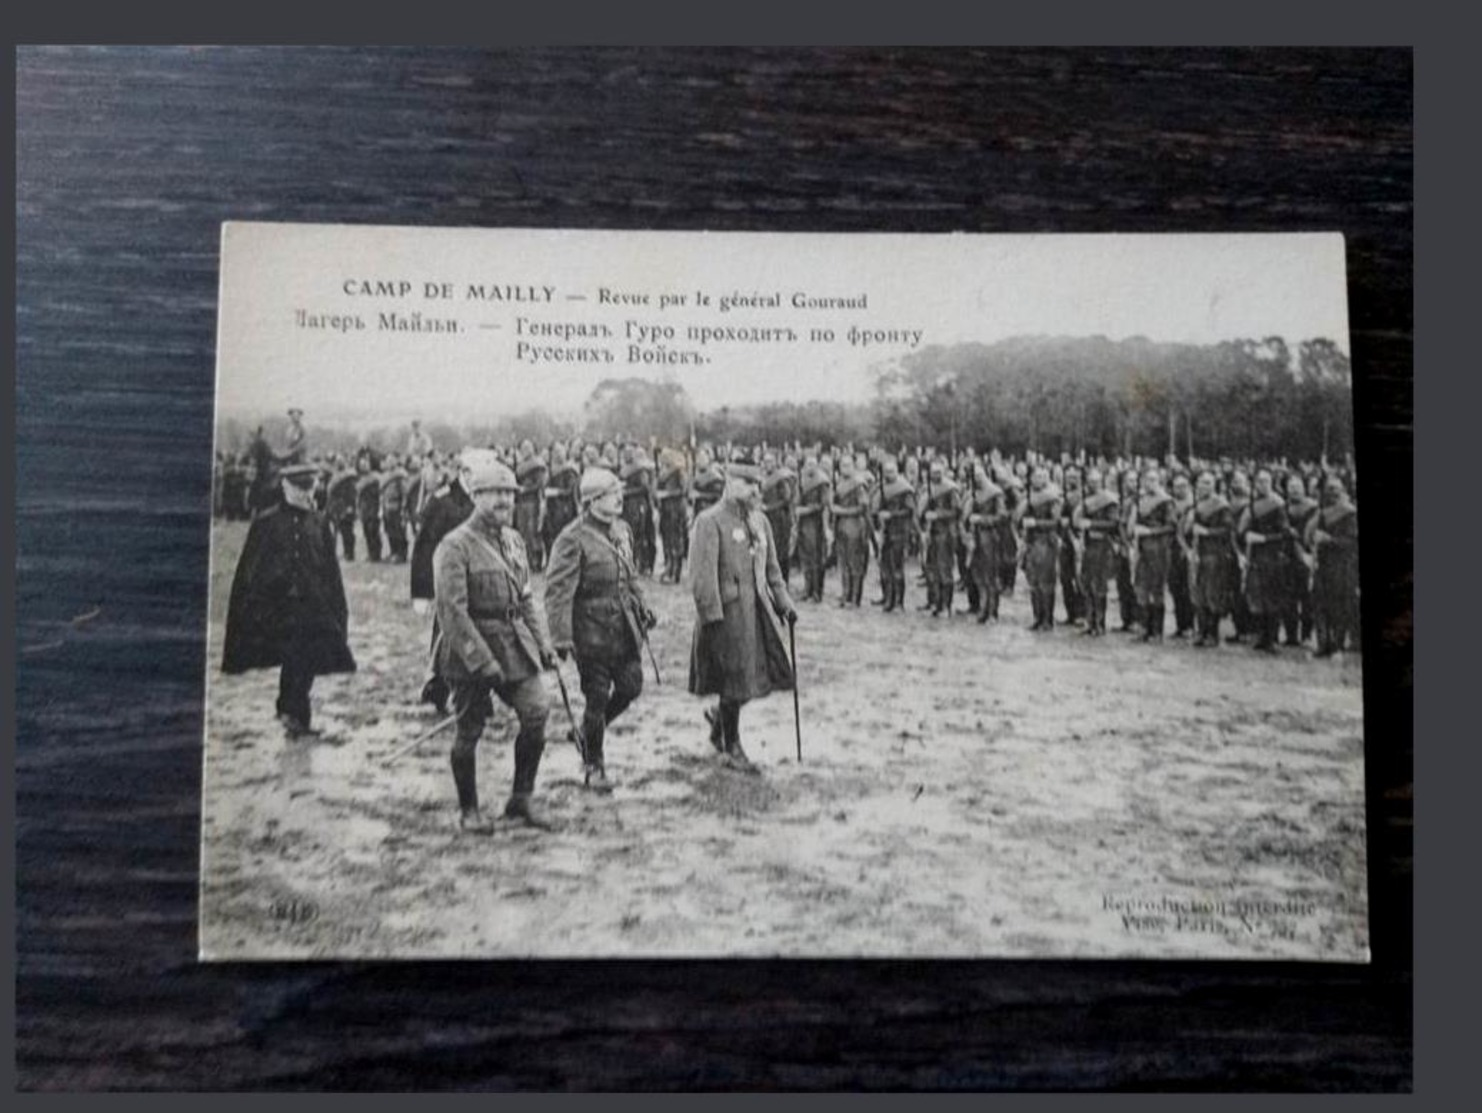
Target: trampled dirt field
<point>965,790</point>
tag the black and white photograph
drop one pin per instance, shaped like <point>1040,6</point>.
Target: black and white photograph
<point>621,594</point>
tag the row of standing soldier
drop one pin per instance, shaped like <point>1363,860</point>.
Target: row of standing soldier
<point>976,531</point>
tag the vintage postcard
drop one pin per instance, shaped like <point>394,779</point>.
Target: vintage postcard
<point>661,594</point>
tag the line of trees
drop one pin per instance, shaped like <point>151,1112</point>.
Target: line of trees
<point>1259,398</point>
<point>1240,398</point>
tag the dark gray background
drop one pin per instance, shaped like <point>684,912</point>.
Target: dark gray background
<point>128,159</point>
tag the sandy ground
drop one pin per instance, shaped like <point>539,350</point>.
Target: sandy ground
<point>965,790</point>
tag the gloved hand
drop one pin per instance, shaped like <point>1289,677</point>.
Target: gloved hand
<point>492,673</point>
<point>563,651</point>
<point>547,659</point>
<point>788,615</point>
<point>650,620</point>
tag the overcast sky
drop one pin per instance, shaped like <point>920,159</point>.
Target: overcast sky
<point>279,281</point>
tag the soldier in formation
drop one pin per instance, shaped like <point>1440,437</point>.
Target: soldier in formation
<point>1097,523</point>
<point>1039,523</point>
<point>848,512</point>
<point>673,515</point>
<point>941,507</point>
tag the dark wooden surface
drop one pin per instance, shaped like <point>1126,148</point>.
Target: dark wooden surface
<point>129,159</point>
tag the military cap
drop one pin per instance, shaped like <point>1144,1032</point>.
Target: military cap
<point>745,471</point>
<point>483,471</point>
<point>298,471</point>
<point>596,482</point>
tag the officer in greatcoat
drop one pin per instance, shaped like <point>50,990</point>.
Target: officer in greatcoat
<point>739,651</point>
<point>597,612</point>
<point>494,639</point>
<point>287,608</point>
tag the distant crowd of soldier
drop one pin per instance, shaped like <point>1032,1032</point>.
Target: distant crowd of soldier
<point>1269,548</point>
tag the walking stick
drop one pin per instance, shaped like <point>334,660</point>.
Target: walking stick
<point>653,660</point>
<point>797,715</point>
<point>414,743</point>
<point>581,742</point>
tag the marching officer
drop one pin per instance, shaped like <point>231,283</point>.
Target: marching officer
<point>494,639</point>
<point>739,651</point>
<point>597,612</point>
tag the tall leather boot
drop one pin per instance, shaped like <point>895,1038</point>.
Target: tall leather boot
<point>465,781</point>
<point>716,720</point>
<point>736,758</point>
<point>529,744</point>
<point>931,598</point>
<point>594,769</point>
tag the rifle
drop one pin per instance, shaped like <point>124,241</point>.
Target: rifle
<point>926,524</point>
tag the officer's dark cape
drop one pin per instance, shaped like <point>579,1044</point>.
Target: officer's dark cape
<point>288,600</point>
